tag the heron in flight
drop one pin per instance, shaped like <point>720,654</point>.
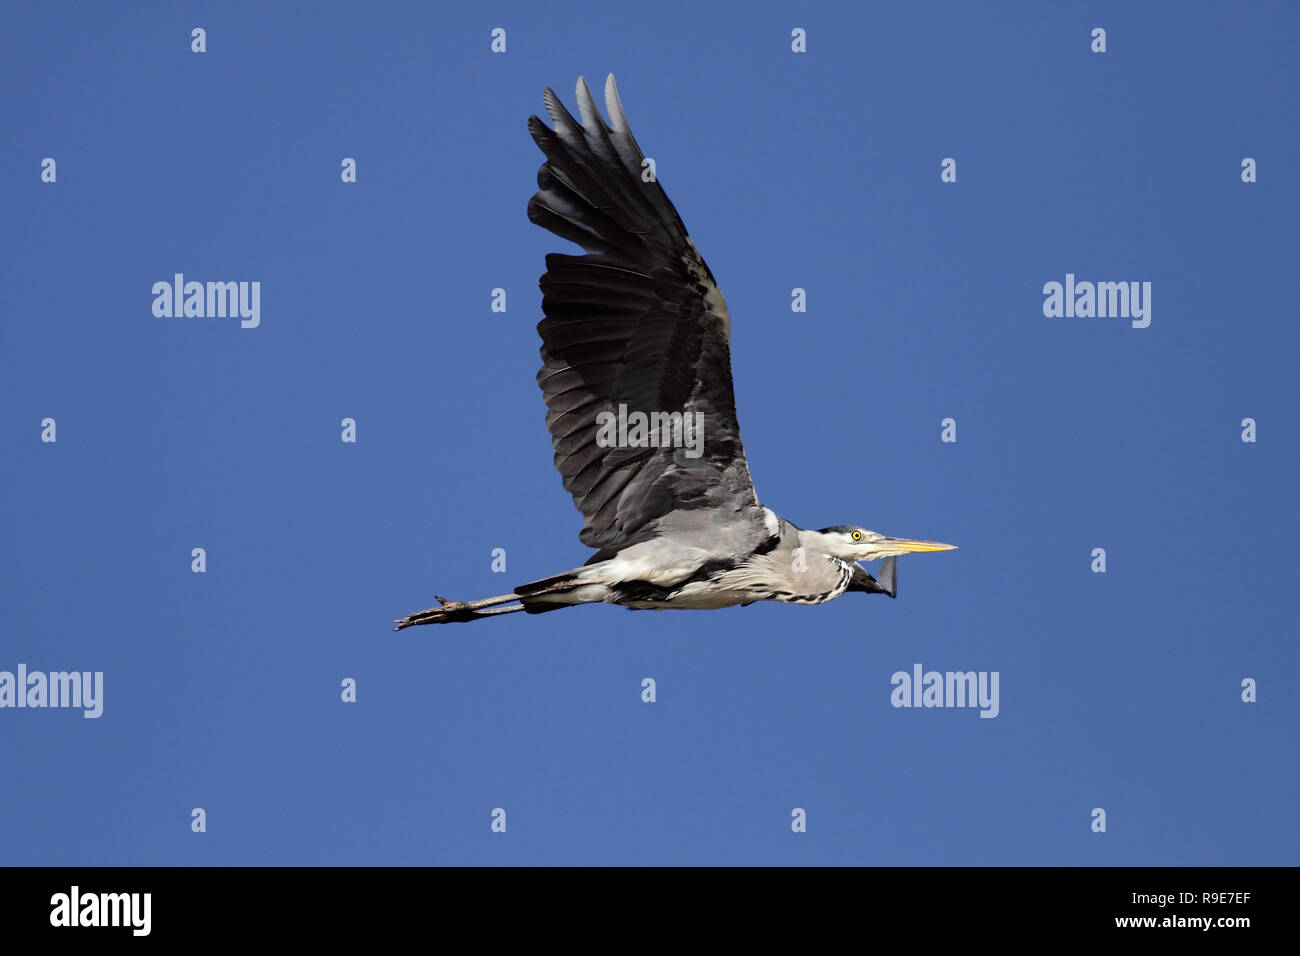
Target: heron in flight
<point>637,327</point>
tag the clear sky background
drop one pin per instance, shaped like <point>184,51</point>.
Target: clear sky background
<point>818,170</point>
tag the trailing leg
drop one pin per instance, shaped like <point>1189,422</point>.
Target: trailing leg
<point>454,612</point>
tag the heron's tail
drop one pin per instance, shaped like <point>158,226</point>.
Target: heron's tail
<point>561,590</point>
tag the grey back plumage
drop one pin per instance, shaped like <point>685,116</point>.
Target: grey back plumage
<point>637,321</point>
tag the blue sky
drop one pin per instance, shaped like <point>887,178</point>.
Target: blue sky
<point>818,170</point>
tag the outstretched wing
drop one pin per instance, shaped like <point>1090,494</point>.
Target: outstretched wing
<point>637,322</point>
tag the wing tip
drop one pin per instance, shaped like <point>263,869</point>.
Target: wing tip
<point>614,105</point>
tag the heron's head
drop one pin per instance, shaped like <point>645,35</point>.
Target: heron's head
<point>851,543</point>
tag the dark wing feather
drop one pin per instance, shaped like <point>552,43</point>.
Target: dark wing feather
<point>637,321</point>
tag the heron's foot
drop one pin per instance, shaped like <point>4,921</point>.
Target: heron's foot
<point>447,612</point>
<point>459,612</point>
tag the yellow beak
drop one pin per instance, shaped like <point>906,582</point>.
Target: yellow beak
<point>913,546</point>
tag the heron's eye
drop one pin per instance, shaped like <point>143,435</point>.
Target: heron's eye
<point>857,536</point>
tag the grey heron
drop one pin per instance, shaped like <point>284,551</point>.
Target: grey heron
<point>638,323</point>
